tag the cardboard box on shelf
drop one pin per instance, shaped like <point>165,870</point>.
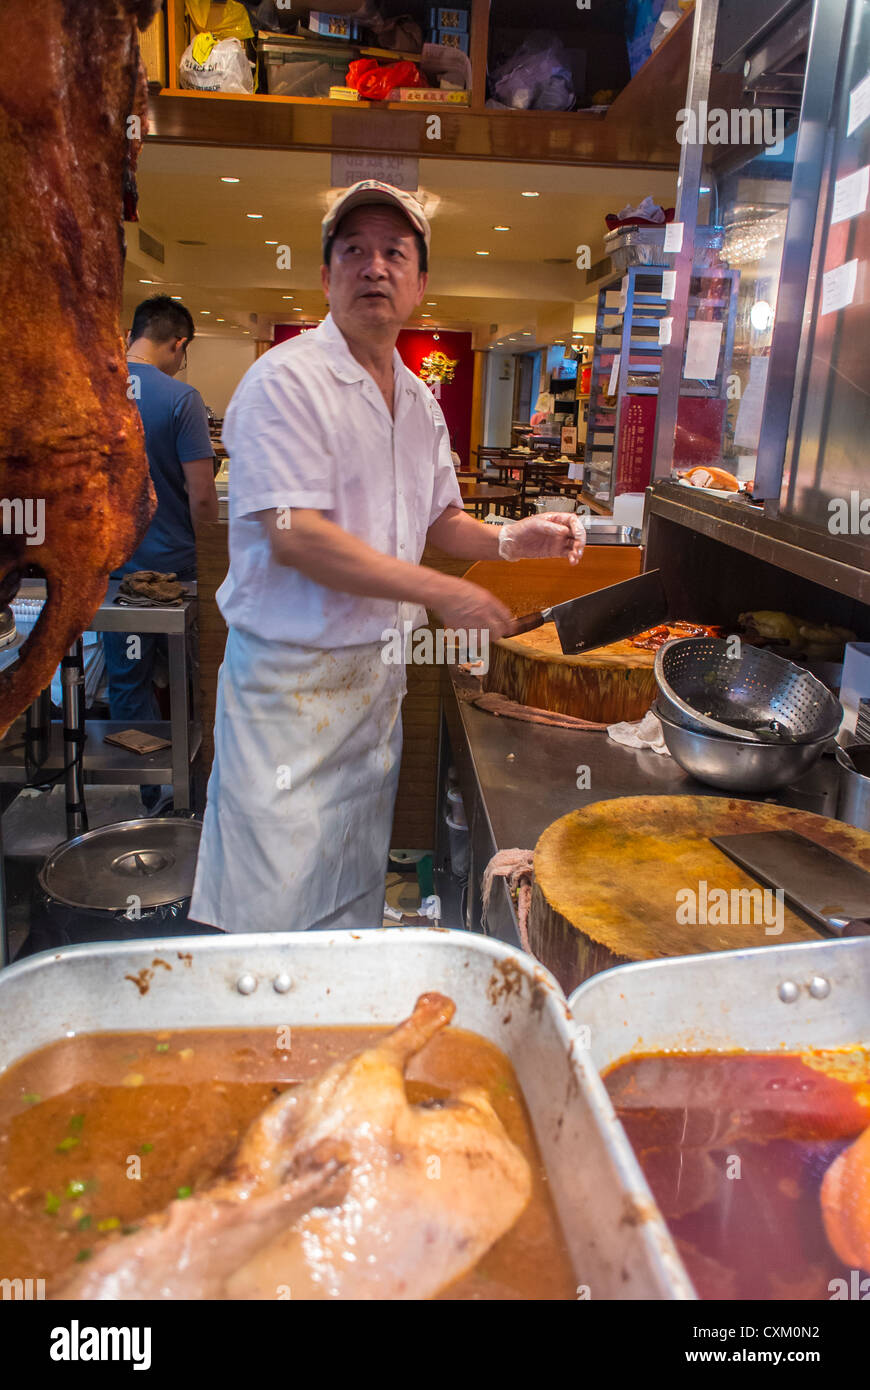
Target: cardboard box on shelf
<point>435,94</point>
<point>450,38</point>
<point>448,18</point>
<point>334,26</point>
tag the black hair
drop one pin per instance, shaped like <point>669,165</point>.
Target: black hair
<point>422,253</point>
<point>161,318</point>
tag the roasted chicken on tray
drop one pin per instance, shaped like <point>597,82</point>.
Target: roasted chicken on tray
<point>339,1189</point>
<point>75,491</point>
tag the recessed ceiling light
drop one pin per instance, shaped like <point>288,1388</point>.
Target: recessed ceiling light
<point>431,303</point>
<point>247,331</point>
<point>272,243</point>
<point>287,296</point>
<point>175,296</point>
<point>481,253</point>
<point>220,320</point>
<point>146,282</point>
<point>425,316</point>
<point>526,335</point>
<point>297,310</point>
<point>255,216</point>
<point>205,311</point>
<point>531,194</point>
<point>228,178</point>
<point>558,342</point>
<point>501,229</point>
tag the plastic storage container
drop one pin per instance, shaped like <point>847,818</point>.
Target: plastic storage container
<point>291,74</point>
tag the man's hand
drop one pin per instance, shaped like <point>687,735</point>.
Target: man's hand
<point>550,535</point>
<point>462,604</point>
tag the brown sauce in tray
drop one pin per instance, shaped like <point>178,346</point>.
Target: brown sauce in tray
<point>734,1148</point>
<point>74,1113</point>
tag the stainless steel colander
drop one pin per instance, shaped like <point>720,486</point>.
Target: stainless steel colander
<point>753,695</point>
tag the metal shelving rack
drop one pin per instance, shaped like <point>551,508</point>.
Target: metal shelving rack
<point>630,308</point>
<point>632,327</point>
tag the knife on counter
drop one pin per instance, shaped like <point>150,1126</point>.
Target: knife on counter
<point>605,616</point>
<point>832,891</point>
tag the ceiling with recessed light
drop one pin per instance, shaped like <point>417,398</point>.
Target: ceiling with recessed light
<point>222,240</point>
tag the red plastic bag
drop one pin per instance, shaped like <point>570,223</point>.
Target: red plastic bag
<point>375,83</point>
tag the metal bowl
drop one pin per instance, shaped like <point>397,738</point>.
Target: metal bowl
<point>731,763</point>
<point>750,694</point>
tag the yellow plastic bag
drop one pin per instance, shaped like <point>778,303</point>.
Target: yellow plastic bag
<point>225,21</point>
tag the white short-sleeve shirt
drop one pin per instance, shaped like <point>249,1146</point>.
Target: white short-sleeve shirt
<point>308,427</point>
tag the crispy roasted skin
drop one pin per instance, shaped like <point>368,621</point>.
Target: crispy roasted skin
<point>70,439</point>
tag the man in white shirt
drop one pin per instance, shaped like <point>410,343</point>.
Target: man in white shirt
<point>340,471</point>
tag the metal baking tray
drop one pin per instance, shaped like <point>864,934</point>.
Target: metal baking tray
<point>779,999</point>
<point>607,532</point>
<point>619,1244</point>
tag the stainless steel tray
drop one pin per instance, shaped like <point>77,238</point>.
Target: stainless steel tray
<point>809,994</point>
<point>619,1244</point>
<point>781,998</point>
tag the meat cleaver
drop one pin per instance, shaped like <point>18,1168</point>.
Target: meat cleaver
<point>832,891</point>
<point>605,616</point>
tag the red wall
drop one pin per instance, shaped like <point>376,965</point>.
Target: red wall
<point>456,396</point>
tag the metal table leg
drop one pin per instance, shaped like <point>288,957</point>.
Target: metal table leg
<point>179,716</point>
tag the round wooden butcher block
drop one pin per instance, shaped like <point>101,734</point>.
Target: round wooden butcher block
<point>607,879</point>
<point>606,685</point>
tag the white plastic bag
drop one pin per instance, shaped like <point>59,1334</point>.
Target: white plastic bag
<point>226,69</point>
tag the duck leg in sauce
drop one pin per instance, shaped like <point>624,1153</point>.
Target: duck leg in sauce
<point>355,1193</point>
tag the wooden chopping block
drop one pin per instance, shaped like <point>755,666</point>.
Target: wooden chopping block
<point>607,879</point>
<point>606,685</point>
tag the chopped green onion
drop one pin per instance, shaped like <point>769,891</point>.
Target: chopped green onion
<point>84,1222</point>
<point>76,1122</point>
<point>32,1098</point>
<point>146,1148</point>
<point>83,1255</point>
<point>52,1203</point>
<point>75,1188</point>
<point>109,1223</point>
<point>184,1192</point>
<point>66,1144</point>
<point>163,1047</point>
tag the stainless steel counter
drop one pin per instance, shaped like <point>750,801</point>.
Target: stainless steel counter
<point>517,778</point>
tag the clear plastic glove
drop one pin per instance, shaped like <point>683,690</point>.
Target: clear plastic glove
<point>556,535</point>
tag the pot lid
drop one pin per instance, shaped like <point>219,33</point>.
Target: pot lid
<point>154,860</point>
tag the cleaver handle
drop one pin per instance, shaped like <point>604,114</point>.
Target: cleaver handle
<point>527,623</point>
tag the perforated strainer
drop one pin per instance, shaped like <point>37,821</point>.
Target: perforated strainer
<point>748,693</point>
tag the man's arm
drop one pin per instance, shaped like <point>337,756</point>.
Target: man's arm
<point>201,492</point>
<point>461,535</point>
<point>307,541</point>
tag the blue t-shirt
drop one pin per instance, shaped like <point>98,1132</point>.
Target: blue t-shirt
<point>176,432</point>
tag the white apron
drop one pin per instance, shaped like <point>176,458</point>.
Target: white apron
<point>300,797</point>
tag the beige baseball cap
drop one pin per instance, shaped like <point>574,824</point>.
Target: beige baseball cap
<point>372,191</point>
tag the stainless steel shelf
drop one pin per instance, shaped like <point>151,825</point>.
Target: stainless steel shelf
<point>103,762</point>
<point>838,562</point>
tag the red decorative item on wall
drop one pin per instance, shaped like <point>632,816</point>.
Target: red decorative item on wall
<point>456,396</point>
